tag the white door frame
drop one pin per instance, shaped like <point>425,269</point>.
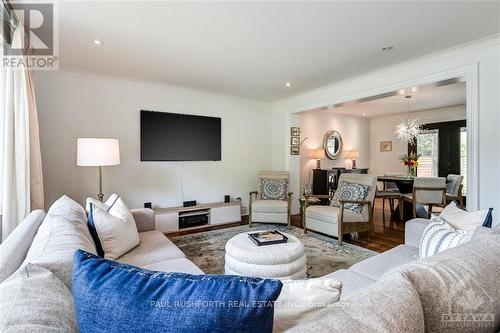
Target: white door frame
<point>469,73</point>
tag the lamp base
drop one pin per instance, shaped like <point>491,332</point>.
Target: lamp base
<point>354,164</point>
<point>318,164</point>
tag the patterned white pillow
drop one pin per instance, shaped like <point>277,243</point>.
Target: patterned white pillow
<point>273,189</point>
<point>350,191</point>
<point>439,236</point>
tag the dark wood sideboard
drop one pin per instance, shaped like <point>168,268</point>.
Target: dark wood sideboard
<point>326,181</point>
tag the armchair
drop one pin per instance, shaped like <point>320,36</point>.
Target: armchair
<point>337,221</point>
<point>271,203</point>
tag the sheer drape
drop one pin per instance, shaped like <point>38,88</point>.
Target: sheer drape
<point>21,184</point>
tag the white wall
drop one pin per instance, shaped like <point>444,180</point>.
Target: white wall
<point>382,129</point>
<point>483,55</point>
<point>355,133</point>
<point>72,105</point>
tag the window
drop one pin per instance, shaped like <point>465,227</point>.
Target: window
<point>428,147</point>
<point>463,157</point>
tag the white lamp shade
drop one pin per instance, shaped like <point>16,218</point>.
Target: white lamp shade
<point>97,152</point>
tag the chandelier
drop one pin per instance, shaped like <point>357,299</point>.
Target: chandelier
<point>408,130</point>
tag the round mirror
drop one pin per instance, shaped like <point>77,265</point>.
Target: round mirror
<point>332,143</point>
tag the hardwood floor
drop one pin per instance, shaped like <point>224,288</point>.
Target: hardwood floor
<point>385,238</point>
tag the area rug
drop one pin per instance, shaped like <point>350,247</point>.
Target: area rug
<point>324,254</point>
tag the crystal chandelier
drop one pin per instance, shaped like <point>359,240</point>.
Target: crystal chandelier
<point>408,130</point>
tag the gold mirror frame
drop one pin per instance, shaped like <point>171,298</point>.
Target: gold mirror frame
<point>326,138</point>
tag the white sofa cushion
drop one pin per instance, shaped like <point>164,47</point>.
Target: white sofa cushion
<point>35,300</point>
<point>180,265</point>
<point>440,236</point>
<point>461,219</point>
<point>63,231</point>
<point>301,300</point>
<point>386,306</point>
<point>374,267</point>
<point>115,226</point>
<point>351,281</point>
<point>270,206</point>
<point>13,250</point>
<point>154,247</point>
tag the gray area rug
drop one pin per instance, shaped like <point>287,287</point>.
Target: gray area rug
<point>324,254</point>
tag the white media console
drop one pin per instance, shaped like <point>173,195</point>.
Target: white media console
<point>168,219</point>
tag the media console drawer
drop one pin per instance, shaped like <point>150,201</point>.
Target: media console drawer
<point>169,219</point>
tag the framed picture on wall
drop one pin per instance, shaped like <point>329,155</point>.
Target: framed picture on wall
<point>295,141</point>
<point>385,145</point>
<point>294,150</point>
<point>295,131</point>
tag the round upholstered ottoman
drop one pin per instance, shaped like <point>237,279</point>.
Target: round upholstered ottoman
<point>285,261</point>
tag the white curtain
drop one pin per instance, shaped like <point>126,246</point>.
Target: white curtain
<point>21,184</point>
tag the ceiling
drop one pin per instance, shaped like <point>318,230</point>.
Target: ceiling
<point>251,49</point>
<point>422,98</point>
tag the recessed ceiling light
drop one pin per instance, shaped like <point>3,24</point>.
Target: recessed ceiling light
<point>364,114</point>
<point>288,84</point>
<point>387,48</point>
<point>97,42</point>
<point>414,89</point>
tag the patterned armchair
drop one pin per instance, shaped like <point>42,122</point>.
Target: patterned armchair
<point>351,208</point>
<point>272,201</point>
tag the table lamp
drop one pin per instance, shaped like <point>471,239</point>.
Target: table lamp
<point>317,155</point>
<point>99,153</point>
<point>352,155</point>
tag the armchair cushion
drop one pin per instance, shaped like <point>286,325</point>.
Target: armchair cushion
<point>273,189</point>
<point>270,206</point>
<point>350,191</point>
<point>332,214</point>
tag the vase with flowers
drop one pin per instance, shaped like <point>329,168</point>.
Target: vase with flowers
<point>411,161</point>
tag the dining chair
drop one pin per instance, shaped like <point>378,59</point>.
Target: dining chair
<point>454,188</point>
<point>390,192</point>
<point>430,191</point>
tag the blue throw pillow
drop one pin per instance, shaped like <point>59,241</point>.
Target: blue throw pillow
<point>114,297</point>
<point>489,219</point>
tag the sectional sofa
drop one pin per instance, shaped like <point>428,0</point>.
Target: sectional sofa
<point>390,292</point>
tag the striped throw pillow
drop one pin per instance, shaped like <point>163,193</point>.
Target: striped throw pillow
<point>440,236</point>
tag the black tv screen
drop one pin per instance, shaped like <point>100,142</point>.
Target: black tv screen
<point>179,137</point>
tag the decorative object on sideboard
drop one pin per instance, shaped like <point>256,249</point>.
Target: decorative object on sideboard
<point>295,141</point>
<point>318,155</point>
<point>385,146</point>
<point>294,150</point>
<point>332,144</point>
<point>353,156</point>
<point>408,130</point>
<point>98,152</point>
<point>294,131</point>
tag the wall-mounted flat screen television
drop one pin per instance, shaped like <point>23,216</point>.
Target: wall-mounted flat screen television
<point>179,137</point>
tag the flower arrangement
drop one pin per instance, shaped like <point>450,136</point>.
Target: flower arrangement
<point>411,161</point>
